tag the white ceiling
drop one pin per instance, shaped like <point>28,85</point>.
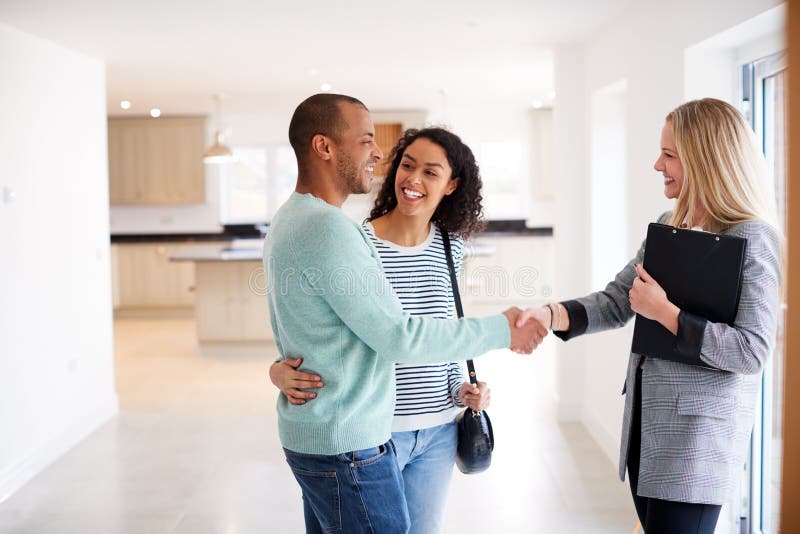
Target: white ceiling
<point>174,54</point>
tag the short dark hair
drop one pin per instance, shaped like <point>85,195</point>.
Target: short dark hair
<point>460,212</point>
<point>318,114</point>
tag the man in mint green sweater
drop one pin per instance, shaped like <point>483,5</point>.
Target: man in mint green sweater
<point>330,304</point>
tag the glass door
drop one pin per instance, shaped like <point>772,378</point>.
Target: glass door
<point>764,102</point>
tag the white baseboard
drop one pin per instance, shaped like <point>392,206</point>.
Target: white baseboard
<point>19,473</point>
<point>607,440</point>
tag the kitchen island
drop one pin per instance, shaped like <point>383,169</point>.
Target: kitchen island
<point>501,269</point>
<point>230,298</point>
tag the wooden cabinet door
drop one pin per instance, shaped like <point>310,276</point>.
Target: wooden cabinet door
<point>386,136</point>
<point>126,142</point>
<point>156,161</point>
<point>146,278</point>
<point>231,304</point>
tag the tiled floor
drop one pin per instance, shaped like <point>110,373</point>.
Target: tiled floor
<point>194,450</point>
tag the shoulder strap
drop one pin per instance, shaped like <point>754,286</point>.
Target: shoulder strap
<point>456,295</point>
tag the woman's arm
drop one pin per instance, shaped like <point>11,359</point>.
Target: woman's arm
<point>455,380</point>
<point>289,380</point>
<point>595,312</point>
<point>602,310</point>
<point>745,346</point>
<point>742,347</point>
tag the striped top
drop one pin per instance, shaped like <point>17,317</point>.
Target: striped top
<point>427,395</point>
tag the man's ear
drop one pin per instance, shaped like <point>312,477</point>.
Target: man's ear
<point>452,185</point>
<point>322,147</point>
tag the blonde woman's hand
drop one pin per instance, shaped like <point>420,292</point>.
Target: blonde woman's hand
<point>538,313</point>
<point>477,398</point>
<point>291,382</point>
<point>649,300</point>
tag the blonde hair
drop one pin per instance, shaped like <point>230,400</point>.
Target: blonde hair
<point>724,171</point>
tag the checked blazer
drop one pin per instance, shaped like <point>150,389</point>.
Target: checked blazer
<point>696,421</point>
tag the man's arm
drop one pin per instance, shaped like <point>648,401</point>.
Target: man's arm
<point>342,269</point>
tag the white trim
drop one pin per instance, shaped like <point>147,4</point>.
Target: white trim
<point>95,414</point>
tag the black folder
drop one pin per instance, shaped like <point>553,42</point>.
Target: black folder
<point>700,272</point>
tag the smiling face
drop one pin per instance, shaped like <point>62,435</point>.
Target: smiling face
<point>356,150</point>
<point>423,179</point>
<point>669,164</point>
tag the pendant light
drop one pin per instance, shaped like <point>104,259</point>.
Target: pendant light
<point>218,152</point>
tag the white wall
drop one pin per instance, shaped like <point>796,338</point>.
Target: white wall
<point>609,190</point>
<point>56,348</point>
<point>511,182</point>
<point>646,46</point>
<point>572,188</point>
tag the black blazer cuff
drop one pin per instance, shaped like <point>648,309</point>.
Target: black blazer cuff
<point>578,320</point>
<point>689,341</point>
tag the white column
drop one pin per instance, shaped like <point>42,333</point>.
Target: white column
<point>572,218</point>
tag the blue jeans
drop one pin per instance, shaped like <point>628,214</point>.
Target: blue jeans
<point>355,492</point>
<point>426,458</point>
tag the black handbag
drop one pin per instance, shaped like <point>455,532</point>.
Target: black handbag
<point>475,435</point>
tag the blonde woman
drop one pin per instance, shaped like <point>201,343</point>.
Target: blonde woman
<point>686,428</point>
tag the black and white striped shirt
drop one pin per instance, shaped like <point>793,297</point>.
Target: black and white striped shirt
<point>427,395</point>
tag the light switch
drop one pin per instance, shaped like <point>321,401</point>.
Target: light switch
<point>9,195</point>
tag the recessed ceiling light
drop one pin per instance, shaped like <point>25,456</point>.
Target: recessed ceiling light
<point>537,104</point>
<point>313,72</point>
<point>325,87</point>
<point>125,104</point>
<point>155,113</point>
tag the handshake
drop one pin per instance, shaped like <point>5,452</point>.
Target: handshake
<point>529,327</point>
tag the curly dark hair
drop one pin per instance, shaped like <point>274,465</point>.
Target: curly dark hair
<point>459,213</point>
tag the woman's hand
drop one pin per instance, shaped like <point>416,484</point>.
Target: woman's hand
<point>539,313</point>
<point>291,382</point>
<point>649,300</point>
<point>476,398</point>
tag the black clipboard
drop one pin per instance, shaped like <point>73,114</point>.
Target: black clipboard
<point>700,272</point>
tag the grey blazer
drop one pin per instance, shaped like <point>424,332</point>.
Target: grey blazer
<point>696,421</point>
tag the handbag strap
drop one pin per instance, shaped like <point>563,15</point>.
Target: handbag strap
<point>473,378</point>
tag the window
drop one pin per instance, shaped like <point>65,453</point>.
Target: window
<point>505,188</point>
<point>256,183</point>
<point>764,104</point>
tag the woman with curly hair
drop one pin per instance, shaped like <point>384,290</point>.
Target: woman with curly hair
<point>433,185</point>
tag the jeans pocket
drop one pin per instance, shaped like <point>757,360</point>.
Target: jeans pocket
<point>321,491</point>
<point>365,456</point>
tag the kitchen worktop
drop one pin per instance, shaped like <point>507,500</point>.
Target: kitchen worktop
<point>234,250</point>
<point>497,228</point>
<point>252,249</point>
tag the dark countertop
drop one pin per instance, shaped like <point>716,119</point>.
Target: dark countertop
<point>497,228</point>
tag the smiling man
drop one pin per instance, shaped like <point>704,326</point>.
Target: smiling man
<point>328,306</point>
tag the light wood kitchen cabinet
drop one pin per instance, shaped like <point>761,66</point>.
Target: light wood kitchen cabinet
<point>146,280</point>
<point>386,136</point>
<point>231,302</point>
<point>156,161</point>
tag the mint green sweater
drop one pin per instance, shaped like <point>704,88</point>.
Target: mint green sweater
<point>330,304</point>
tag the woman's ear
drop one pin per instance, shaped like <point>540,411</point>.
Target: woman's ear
<point>322,147</point>
<point>452,185</point>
